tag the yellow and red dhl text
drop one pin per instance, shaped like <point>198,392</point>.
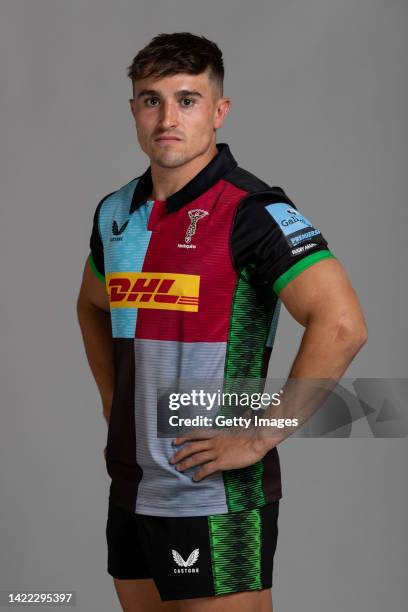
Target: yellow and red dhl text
<point>160,290</point>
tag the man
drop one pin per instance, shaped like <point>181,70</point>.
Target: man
<point>189,264</point>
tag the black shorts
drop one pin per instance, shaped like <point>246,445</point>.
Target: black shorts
<point>199,556</point>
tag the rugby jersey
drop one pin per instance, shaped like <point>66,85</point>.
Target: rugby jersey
<point>193,285</point>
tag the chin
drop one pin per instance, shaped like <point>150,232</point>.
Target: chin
<point>170,161</point>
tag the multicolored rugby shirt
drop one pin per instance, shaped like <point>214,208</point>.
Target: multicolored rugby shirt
<point>193,285</point>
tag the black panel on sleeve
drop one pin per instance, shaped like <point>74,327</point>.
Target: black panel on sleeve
<point>95,241</point>
<point>270,235</point>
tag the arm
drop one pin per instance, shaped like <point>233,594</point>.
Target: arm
<point>323,300</point>
<point>94,321</point>
<point>273,237</point>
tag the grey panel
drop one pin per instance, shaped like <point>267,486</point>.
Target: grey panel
<point>163,491</point>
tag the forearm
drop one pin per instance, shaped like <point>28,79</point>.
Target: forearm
<point>96,331</point>
<point>325,352</point>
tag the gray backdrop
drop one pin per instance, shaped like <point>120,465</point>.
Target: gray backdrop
<point>319,92</point>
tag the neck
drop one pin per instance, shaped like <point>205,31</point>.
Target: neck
<point>167,181</point>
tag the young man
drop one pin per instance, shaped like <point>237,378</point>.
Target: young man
<point>189,263</point>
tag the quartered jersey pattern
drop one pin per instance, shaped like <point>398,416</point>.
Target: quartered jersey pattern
<point>193,285</point>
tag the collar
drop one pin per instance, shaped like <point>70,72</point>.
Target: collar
<point>221,164</point>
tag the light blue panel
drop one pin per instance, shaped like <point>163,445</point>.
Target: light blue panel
<point>125,240</point>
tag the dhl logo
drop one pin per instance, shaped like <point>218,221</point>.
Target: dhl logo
<point>153,290</point>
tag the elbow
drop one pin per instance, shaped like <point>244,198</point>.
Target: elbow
<point>352,333</point>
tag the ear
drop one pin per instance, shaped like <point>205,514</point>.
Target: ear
<point>221,111</point>
<point>132,105</point>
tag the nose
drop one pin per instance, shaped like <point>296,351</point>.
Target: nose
<point>168,116</point>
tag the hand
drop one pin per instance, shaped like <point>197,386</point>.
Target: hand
<point>218,451</point>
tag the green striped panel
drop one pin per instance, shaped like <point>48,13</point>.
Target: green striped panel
<point>251,315</point>
<point>235,542</point>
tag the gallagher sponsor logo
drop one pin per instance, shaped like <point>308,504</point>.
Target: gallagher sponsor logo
<point>295,218</point>
<point>161,290</point>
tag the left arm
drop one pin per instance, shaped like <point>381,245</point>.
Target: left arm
<point>322,299</point>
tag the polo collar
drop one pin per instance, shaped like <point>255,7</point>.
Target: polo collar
<point>220,165</point>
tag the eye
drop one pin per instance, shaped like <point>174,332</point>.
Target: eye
<point>190,101</point>
<point>149,100</point>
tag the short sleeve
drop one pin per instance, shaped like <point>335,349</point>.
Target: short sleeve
<point>274,239</point>
<point>96,259</point>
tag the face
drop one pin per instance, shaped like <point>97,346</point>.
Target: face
<point>177,117</point>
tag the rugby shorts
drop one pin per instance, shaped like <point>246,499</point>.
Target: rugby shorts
<point>198,556</point>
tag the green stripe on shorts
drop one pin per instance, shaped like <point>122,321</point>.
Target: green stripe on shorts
<point>235,542</point>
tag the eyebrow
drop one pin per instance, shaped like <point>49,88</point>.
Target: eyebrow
<point>182,92</point>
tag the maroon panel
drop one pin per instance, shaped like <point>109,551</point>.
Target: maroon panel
<point>199,244</point>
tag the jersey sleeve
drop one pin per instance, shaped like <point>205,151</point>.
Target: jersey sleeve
<point>96,258</point>
<point>273,239</point>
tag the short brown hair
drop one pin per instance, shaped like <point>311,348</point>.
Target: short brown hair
<point>169,54</point>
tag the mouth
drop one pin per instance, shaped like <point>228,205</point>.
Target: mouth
<point>168,139</point>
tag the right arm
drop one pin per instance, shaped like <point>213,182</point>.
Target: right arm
<point>94,321</point>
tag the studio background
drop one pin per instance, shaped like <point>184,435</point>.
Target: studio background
<point>319,99</point>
